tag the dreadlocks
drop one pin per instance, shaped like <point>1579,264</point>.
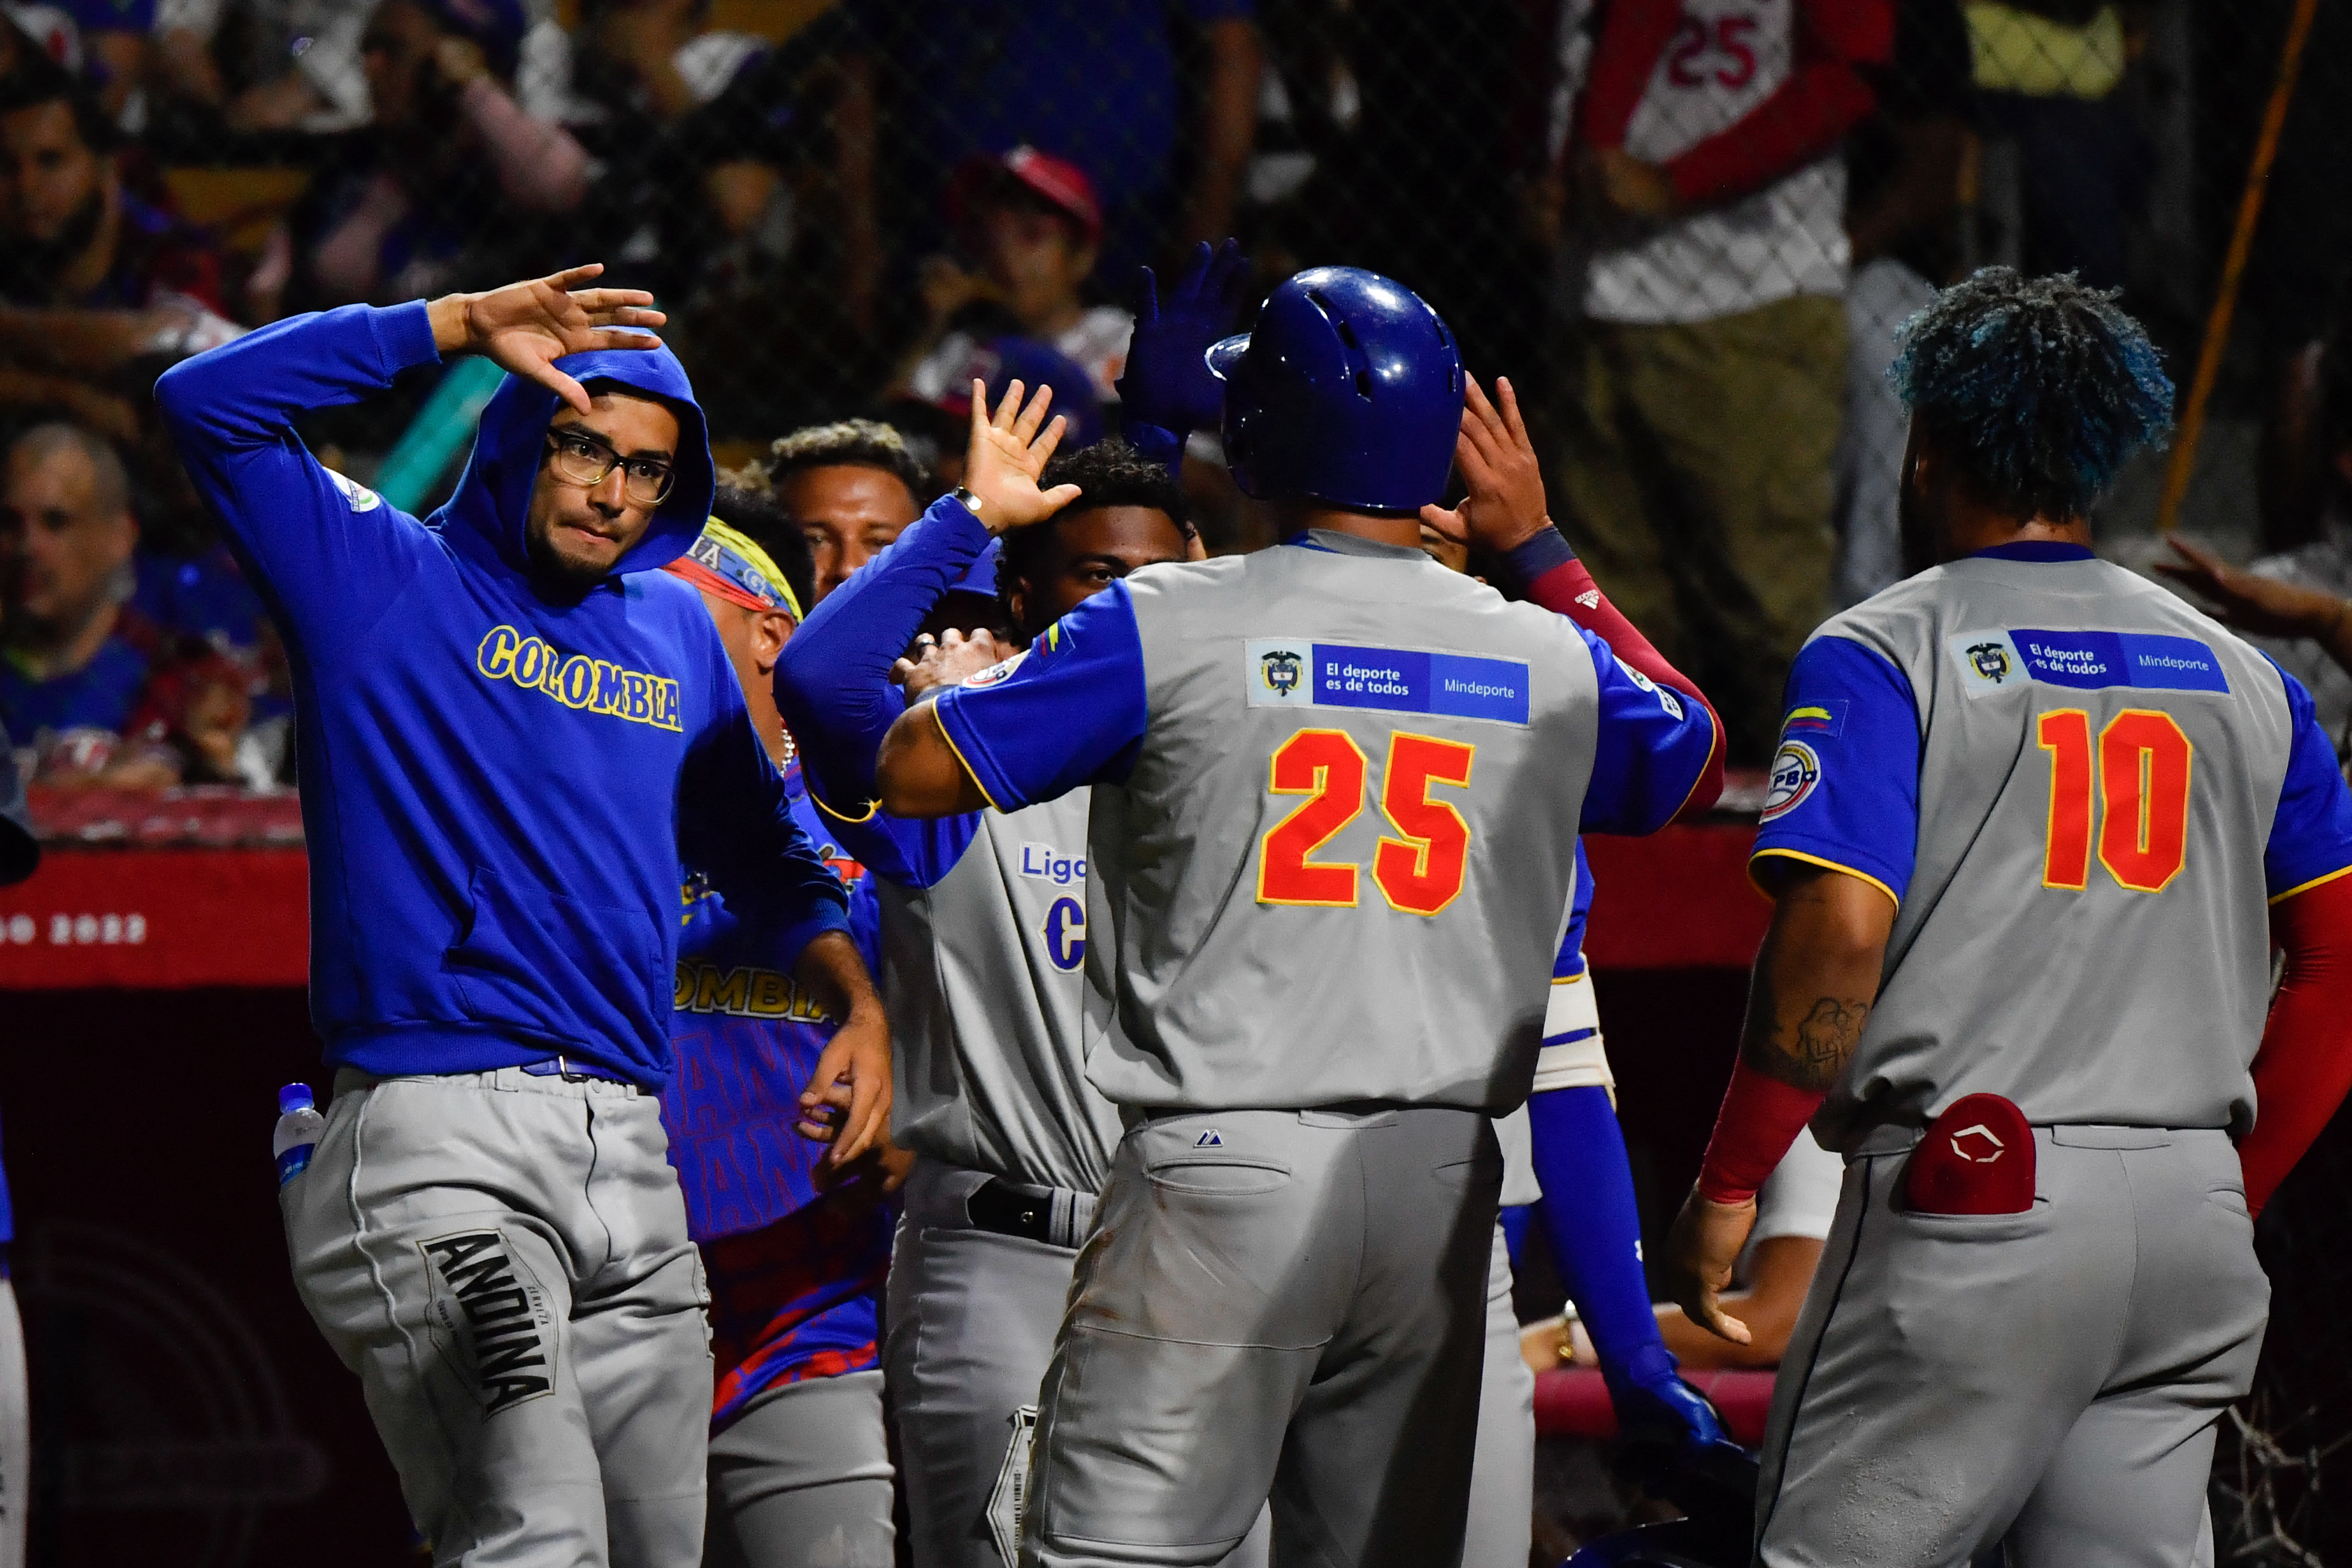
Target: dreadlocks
<point>2035,388</point>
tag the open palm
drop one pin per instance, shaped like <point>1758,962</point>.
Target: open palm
<point>1007,454</point>
<point>524,327</point>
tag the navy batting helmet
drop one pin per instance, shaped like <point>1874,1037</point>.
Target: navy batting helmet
<point>1677,1544</point>
<point>1348,391</point>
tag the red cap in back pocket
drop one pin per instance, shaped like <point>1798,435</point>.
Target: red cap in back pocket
<point>1977,1158</point>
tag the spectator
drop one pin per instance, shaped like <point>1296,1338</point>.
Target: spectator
<point>652,59</point>
<point>1031,222</point>
<point>2295,602</point>
<point>92,278</point>
<point>1903,199</point>
<point>1099,78</point>
<point>70,680</point>
<point>936,400</point>
<point>2047,71</point>
<point>433,195</point>
<point>266,65</point>
<point>1696,454</point>
<point>851,488</point>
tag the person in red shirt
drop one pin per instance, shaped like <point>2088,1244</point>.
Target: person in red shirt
<point>1703,150</point>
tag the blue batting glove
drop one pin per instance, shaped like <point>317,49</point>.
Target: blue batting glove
<point>1168,385</point>
<point>1674,1444</point>
<point>1664,1409</point>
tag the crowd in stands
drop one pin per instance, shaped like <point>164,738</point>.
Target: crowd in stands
<point>851,210</point>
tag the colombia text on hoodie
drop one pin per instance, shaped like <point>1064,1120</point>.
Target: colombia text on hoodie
<point>497,787</point>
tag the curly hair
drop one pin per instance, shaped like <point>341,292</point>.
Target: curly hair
<point>1108,473</point>
<point>2036,388</point>
<point>849,442</point>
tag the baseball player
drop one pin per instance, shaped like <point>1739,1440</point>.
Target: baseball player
<point>1330,855</point>
<point>2026,817</point>
<point>985,934</point>
<point>512,730</point>
<point>799,1467</point>
<point>1566,1140</point>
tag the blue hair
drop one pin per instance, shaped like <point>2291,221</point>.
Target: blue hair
<point>2036,388</point>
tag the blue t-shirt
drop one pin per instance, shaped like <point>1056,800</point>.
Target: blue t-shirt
<point>101,695</point>
<point>1074,712</point>
<point>1856,712</point>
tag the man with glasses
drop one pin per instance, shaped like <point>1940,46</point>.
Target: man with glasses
<point>512,730</point>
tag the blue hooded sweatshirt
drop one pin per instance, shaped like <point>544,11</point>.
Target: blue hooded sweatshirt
<point>497,786</point>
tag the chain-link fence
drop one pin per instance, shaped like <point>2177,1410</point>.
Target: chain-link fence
<point>1689,234</point>
<point>1687,229</point>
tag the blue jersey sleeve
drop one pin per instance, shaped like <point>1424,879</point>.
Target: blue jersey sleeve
<point>326,554</point>
<point>910,852</point>
<point>736,824</point>
<point>1068,710</point>
<point>832,681</point>
<point>1571,962</point>
<point>1651,749</point>
<point>2311,833</point>
<point>1844,789</point>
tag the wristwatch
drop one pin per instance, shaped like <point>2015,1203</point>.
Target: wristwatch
<point>966,500</point>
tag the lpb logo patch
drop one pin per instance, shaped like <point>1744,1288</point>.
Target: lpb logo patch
<point>1795,771</point>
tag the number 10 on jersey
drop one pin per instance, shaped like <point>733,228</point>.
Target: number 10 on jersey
<point>2139,769</point>
<point>1419,872</point>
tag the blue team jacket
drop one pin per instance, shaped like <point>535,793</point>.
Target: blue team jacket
<point>497,787</point>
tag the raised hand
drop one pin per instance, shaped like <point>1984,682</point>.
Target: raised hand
<point>1505,507</point>
<point>2251,603</point>
<point>525,328</point>
<point>1167,382</point>
<point>1007,454</point>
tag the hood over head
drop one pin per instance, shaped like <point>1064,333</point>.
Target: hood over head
<point>493,497</point>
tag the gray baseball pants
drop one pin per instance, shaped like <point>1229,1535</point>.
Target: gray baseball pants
<point>1284,1305</point>
<point>801,1479</point>
<point>1502,1471</point>
<point>503,1260</point>
<point>2049,1381</point>
<point>973,1316</point>
<point>16,1431</point>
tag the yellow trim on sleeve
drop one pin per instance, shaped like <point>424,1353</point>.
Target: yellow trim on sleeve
<point>818,800</point>
<point>1824,865</point>
<point>1713,747</point>
<point>962,761</point>
<point>2315,882</point>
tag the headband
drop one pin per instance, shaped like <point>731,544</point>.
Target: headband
<point>726,561</point>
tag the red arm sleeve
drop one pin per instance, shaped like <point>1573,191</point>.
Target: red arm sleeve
<point>1634,34</point>
<point>2304,1066</point>
<point>1552,576</point>
<point>1824,97</point>
<point>1760,1121</point>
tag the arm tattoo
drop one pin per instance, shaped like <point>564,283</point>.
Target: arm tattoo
<point>1826,1037</point>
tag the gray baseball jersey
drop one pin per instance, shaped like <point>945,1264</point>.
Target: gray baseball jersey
<point>2078,790</point>
<point>1337,794</point>
<point>984,943</point>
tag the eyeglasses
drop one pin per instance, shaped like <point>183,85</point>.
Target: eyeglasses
<point>580,458</point>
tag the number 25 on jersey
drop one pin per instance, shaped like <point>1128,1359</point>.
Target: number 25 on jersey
<point>1418,871</point>
<point>2139,769</point>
